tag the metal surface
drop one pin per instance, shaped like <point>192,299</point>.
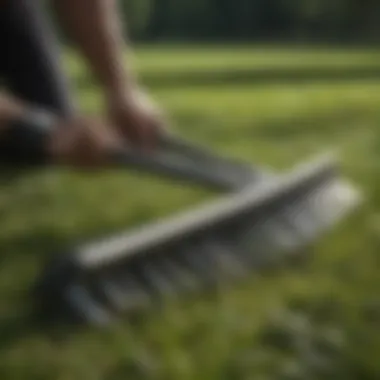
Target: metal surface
<point>260,198</point>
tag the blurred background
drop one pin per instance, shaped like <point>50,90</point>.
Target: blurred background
<point>271,82</point>
<point>340,21</point>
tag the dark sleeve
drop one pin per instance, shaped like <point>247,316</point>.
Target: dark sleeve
<point>30,62</point>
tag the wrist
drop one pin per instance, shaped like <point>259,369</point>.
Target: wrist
<point>123,90</point>
<point>60,142</point>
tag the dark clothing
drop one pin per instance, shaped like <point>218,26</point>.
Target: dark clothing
<point>29,59</point>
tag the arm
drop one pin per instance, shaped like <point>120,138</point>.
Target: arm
<point>96,29</point>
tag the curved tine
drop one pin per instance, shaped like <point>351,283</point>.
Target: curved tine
<point>159,164</point>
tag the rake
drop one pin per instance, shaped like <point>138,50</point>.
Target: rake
<point>260,219</point>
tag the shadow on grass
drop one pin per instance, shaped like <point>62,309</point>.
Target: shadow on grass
<point>36,245</point>
<point>16,327</point>
<point>25,325</point>
<point>250,76</point>
<point>9,177</point>
<point>29,253</point>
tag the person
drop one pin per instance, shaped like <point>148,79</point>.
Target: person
<point>39,119</point>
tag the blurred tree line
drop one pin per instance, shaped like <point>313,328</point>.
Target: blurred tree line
<point>336,20</point>
<point>239,20</point>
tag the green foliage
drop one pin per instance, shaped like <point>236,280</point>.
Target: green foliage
<point>137,13</point>
<point>349,20</point>
<point>342,20</point>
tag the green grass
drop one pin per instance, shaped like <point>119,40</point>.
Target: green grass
<point>269,106</point>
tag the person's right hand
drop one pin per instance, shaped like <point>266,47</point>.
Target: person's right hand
<point>83,143</point>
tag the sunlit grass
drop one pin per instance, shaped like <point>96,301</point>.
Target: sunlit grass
<point>275,124</point>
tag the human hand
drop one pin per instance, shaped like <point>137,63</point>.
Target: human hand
<point>83,143</point>
<point>139,120</point>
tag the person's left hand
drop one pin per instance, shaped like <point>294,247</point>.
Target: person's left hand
<point>137,117</point>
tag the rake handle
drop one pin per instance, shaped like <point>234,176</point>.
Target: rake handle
<point>160,165</point>
<point>199,153</point>
<point>181,160</point>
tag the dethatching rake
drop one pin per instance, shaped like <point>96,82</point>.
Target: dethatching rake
<point>260,218</point>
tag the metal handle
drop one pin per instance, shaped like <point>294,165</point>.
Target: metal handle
<point>182,160</point>
<point>194,152</point>
<point>161,165</point>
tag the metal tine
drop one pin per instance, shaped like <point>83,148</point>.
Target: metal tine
<point>283,235</point>
<point>212,261</point>
<point>259,245</point>
<point>182,265</point>
<point>177,272</point>
<point>198,259</point>
<point>320,212</point>
<point>262,247</point>
<point>310,214</point>
<point>111,292</point>
<point>226,210</point>
<point>122,290</point>
<point>182,269</point>
<point>334,202</point>
<point>322,207</point>
<point>227,258</point>
<point>298,217</point>
<point>152,281</point>
<point>295,224</point>
<point>319,209</point>
<point>163,277</point>
<point>136,295</point>
<point>159,283</point>
<point>84,305</point>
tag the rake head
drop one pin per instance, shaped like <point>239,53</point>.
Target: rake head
<point>225,241</point>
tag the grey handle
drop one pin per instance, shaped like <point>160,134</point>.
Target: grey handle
<point>162,165</point>
<point>196,153</point>
<point>185,161</point>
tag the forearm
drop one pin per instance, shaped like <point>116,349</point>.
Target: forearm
<point>96,29</point>
<point>30,58</point>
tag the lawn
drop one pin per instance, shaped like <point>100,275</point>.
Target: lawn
<point>272,106</point>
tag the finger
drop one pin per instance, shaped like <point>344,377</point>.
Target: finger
<point>139,131</point>
<point>145,136</point>
<point>101,141</point>
<point>152,132</point>
<point>145,132</point>
<point>160,126</point>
